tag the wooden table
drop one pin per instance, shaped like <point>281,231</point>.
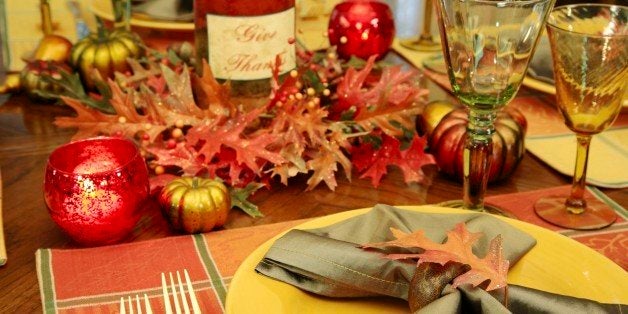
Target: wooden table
<point>27,136</point>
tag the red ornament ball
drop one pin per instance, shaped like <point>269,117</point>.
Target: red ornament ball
<point>361,28</point>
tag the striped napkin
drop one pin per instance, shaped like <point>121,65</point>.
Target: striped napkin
<point>93,279</point>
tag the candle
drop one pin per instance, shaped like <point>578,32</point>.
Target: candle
<point>95,188</point>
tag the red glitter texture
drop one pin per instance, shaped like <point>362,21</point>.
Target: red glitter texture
<point>361,28</point>
<point>95,188</point>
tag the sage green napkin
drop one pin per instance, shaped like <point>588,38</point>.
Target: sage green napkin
<point>328,261</point>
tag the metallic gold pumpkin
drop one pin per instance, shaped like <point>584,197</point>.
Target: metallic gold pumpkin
<point>194,205</point>
<point>106,52</point>
<point>32,82</point>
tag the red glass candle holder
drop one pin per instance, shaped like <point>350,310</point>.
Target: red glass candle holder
<point>95,188</point>
<point>361,28</point>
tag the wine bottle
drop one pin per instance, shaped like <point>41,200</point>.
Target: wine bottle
<point>241,39</point>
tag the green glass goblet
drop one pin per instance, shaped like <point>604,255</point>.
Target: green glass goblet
<point>487,46</point>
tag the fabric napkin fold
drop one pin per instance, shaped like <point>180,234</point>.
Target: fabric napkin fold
<point>329,262</point>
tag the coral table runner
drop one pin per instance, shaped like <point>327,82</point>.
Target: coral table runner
<point>93,279</point>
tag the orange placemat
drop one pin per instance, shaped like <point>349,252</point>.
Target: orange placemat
<point>93,280</point>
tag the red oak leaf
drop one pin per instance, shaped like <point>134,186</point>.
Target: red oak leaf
<point>227,167</point>
<point>249,150</point>
<point>458,248</point>
<point>413,159</point>
<point>374,163</point>
<point>180,156</point>
<point>350,90</point>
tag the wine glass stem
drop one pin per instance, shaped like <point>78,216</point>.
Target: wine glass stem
<point>576,203</point>
<point>426,32</point>
<point>476,157</point>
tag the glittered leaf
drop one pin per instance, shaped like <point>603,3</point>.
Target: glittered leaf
<point>180,156</point>
<point>493,268</point>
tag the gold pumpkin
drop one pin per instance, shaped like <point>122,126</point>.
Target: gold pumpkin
<point>32,83</point>
<point>194,205</point>
<point>106,52</point>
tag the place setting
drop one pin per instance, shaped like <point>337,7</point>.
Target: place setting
<point>298,156</point>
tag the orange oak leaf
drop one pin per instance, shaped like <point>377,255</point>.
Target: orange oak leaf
<point>458,248</point>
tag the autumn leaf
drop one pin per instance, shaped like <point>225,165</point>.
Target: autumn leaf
<point>324,162</point>
<point>139,73</point>
<point>458,248</point>
<point>249,149</point>
<point>88,121</point>
<point>126,121</point>
<point>181,156</point>
<point>390,104</point>
<point>213,95</point>
<point>226,166</point>
<point>309,143</point>
<point>373,163</point>
<point>351,89</point>
<point>412,160</point>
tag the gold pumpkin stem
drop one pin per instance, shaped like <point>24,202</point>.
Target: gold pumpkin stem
<point>121,14</point>
<point>46,19</point>
<point>102,30</point>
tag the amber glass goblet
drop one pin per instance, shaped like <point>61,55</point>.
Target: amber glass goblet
<point>589,45</point>
<point>95,188</point>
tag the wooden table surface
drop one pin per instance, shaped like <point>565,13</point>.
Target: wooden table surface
<point>27,137</point>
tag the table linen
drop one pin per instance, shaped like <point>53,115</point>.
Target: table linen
<point>94,279</point>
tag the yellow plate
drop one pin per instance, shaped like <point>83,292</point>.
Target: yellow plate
<point>556,264</point>
<point>103,10</point>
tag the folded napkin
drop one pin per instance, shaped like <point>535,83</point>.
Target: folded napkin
<point>329,262</point>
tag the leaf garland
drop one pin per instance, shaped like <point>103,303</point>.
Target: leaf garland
<point>317,116</point>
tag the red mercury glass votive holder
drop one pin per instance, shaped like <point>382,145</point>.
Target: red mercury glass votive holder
<point>95,188</point>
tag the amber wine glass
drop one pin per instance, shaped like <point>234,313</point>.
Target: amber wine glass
<point>487,46</point>
<point>589,45</point>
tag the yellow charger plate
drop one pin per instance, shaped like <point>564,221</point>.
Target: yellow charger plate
<point>556,264</point>
<point>103,10</point>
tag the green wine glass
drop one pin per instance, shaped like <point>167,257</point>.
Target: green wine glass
<point>487,46</point>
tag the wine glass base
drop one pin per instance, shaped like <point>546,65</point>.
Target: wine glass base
<point>597,215</point>
<point>420,44</point>
<point>490,209</point>
<point>436,64</point>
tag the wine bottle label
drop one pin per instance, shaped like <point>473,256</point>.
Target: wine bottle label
<point>246,47</point>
